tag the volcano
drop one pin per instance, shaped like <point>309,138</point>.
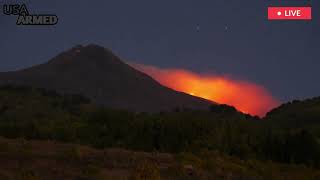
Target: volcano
<point>95,72</point>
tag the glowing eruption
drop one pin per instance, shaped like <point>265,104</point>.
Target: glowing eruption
<point>245,96</point>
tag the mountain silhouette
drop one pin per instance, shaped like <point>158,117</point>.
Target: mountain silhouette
<point>95,72</point>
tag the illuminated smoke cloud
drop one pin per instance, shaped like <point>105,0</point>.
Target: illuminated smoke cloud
<point>245,96</point>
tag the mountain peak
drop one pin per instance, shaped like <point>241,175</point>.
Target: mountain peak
<point>92,49</point>
<point>91,53</point>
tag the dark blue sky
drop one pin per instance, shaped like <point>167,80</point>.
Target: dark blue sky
<point>206,36</point>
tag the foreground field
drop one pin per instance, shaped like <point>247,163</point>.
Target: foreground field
<point>35,160</point>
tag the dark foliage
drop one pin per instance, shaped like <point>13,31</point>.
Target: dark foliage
<point>39,114</point>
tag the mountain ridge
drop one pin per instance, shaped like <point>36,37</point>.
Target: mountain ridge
<point>97,73</point>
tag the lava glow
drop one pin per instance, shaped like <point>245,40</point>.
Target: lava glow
<point>245,96</point>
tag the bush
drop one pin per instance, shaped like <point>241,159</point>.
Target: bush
<point>27,174</point>
<point>73,153</point>
<point>146,170</point>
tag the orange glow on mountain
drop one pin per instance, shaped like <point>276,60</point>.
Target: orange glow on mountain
<point>245,96</point>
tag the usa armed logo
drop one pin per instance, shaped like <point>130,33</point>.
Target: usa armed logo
<point>24,18</point>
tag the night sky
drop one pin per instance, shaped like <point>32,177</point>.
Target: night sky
<point>227,37</point>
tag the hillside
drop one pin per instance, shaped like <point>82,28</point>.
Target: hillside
<point>296,114</point>
<point>32,113</point>
<point>35,160</point>
<point>41,114</point>
<point>98,74</point>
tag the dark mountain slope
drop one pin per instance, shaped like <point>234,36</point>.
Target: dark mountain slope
<point>296,114</point>
<point>98,74</point>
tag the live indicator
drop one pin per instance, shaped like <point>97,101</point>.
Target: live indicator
<point>289,13</point>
